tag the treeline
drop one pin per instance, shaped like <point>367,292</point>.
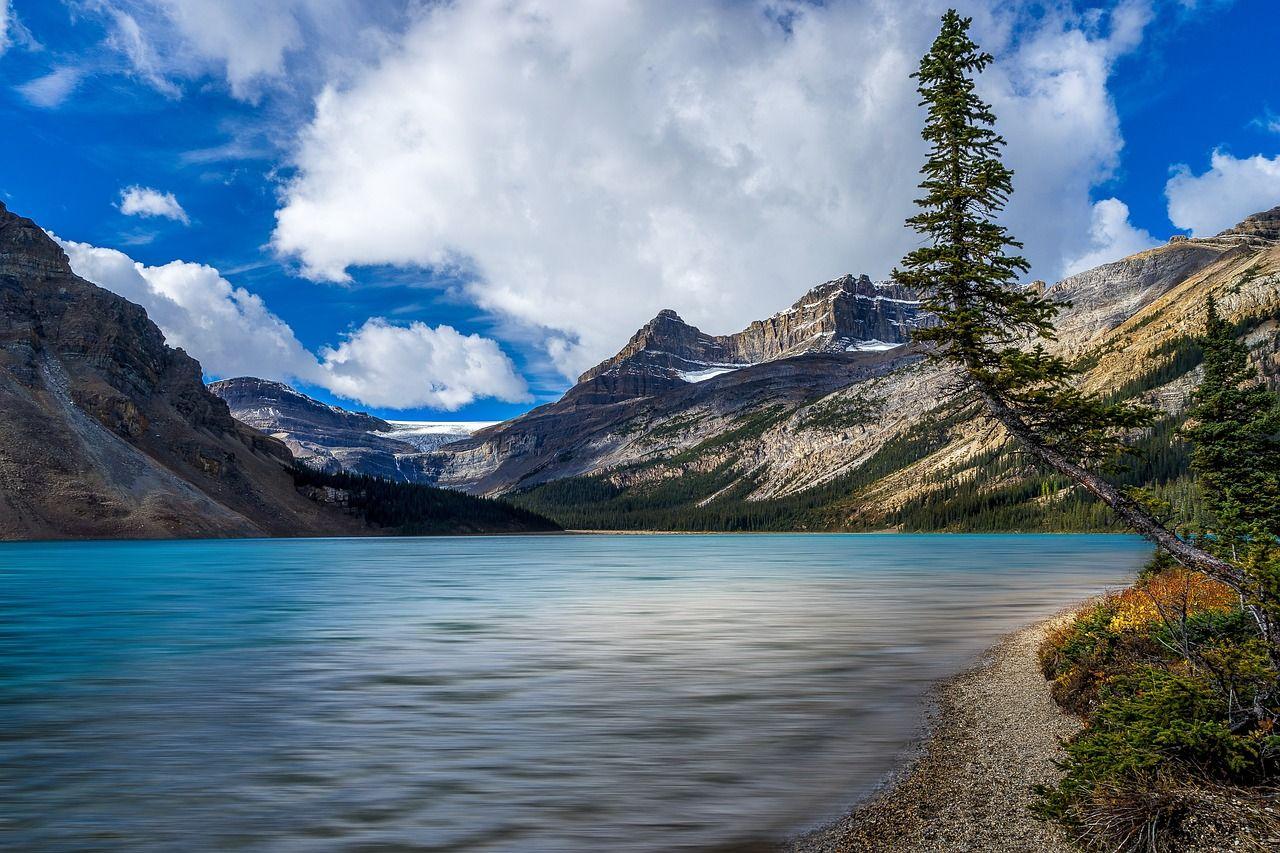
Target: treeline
<point>412,509</point>
<point>596,503</point>
<point>1028,500</point>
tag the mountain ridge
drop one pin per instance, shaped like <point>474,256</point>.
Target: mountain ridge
<point>107,432</point>
<point>875,434</point>
<point>844,314</point>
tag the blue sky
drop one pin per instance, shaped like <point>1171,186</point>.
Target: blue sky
<point>445,212</point>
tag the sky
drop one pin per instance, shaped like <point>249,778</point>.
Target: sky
<point>448,210</point>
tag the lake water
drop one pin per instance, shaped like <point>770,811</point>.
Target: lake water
<point>555,693</point>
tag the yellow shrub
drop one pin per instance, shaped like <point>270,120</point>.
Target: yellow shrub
<point>1170,595</point>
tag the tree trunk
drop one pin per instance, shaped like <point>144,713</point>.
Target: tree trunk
<point>1124,506</point>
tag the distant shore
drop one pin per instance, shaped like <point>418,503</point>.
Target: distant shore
<point>725,532</point>
<point>993,736</point>
<point>880,532</point>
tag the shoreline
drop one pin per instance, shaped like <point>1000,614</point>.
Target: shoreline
<point>992,734</point>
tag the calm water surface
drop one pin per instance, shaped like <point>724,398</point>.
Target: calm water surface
<point>631,693</point>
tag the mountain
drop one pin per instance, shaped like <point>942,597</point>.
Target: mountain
<point>675,390</point>
<point>845,315</point>
<point>669,383</point>
<point>331,439</point>
<point>895,445</point>
<point>105,431</point>
<point>825,416</point>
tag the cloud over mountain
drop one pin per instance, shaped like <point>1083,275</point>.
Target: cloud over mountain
<point>233,333</point>
<point>592,162</point>
<point>1231,188</point>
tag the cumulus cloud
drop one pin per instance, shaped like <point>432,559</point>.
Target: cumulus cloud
<point>51,89</point>
<point>588,163</point>
<point>1111,237</point>
<point>397,366</point>
<point>231,332</point>
<point>145,201</point>
<point>1229,191</point>
<point>228,329</point>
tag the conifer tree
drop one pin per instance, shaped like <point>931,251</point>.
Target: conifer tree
<point>989,328</point>
<point>1235,433</point>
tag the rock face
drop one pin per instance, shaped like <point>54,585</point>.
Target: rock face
<point>1261,229</point>
<point>825,394</point>
<point>1103,298</point>
<point>885,423</point>
<point>324,437</point>
<point>331,439</point>
<point>847,314</point>
<point>268,406</point>
<point>106,431</point>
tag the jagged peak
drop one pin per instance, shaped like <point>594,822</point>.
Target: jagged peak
<point>26,249</point>
<point>1264,225</point>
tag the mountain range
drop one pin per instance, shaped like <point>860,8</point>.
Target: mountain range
<point>105,431</point>
<point>822,416</point>
<point>825,416</point>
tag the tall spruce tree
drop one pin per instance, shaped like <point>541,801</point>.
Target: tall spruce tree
<point>987,326</point>
<point>1234,429</point>
<point>1235,435</point>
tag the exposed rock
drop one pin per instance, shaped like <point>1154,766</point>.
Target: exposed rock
<point>1261,228</point>
<point>1102,298</point>
<point>106,431</point>
<point>844,315</point>
<point>331,439</point>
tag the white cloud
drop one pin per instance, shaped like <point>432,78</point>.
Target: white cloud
<point>1111,236</point>
<point>592,162</point>
<point>398,366</point>
<point>128,37</point>
<point>1228,192</point>
<point>228,329</point>
<point>231,332</point>
<point>145,201</point>
<point>249,43</point>
<point>5,14</point>
<point>51,89</point>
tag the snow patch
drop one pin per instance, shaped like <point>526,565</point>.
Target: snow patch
<point>440,427</point>
<point>703,375</point>
<point>428,435</point>
<point>872,345</point>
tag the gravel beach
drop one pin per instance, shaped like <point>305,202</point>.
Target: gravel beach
<point>994,735</point>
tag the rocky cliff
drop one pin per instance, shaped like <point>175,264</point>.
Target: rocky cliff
<point>847,314</point>
<point>105,431</point>
<point>331,439</point>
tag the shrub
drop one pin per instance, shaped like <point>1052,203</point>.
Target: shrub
<point>1151,731</point>
<point>1174,594</point>
<point>1175,683</point>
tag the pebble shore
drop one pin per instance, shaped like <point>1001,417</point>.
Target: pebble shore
<point>994,736</point>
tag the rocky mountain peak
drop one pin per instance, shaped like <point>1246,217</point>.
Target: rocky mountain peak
<point>846,314</point>
<point>26,250</point>
<point>267,405</point>
<point>1261,227</point>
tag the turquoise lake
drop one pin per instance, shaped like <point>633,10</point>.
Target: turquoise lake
<point>546,693</point>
